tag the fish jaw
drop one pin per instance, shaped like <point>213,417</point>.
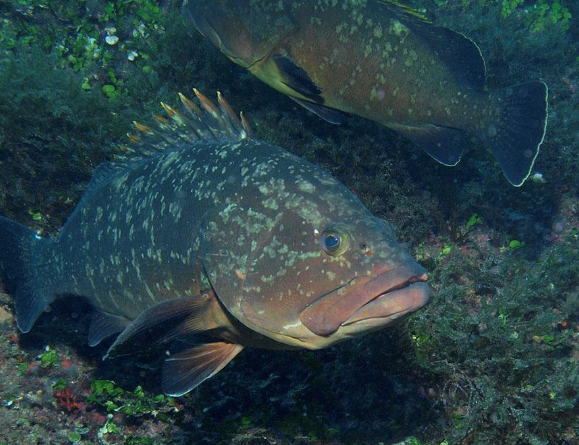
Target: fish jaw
<point>390,306</point>
<point>368,303</point>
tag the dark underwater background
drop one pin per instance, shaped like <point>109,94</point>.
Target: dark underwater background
<point>494,357</point>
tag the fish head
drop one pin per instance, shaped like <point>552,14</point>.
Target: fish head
<point>245,31</point>
<point>340,279</point>
<point>310,268</point>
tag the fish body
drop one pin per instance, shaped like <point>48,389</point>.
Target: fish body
<point>209,241</point>
<point>384,62</point>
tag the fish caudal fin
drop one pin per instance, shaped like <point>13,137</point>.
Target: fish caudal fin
<point>21,271</point>
<point>518,132</point>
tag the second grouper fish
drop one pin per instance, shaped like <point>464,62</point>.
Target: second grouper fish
<point>204,241</point>
<point>382,61</point>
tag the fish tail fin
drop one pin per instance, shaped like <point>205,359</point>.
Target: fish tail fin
<point>519,128</point>
<point>20,273</point>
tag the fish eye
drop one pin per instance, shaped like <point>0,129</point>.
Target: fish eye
<point>335,241</point>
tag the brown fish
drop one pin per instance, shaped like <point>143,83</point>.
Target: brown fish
<point>382,61</point>
<point>208,241</point>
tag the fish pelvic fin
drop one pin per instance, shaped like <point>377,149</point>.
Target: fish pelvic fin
<point>187,369</point>
<point>328,114</point>
<point>23,270</point>
<point>516,134</point>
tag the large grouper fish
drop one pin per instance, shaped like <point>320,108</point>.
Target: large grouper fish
<point>204,240</point>
<point>382,61</point>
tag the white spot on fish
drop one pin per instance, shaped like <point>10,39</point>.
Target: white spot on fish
<point>306,186</point>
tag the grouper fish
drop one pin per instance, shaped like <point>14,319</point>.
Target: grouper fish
<point>382,61</point>
<point>203,240</point>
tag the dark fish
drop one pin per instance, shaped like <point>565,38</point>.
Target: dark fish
<point>382,61</point>
<point>209,241</point>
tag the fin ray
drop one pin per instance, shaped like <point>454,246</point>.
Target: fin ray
<point>187,369</point>
<point>207,122</point>
<point>298,79</point>
<point>104,325</point>
<point>162,322</point>
<point>328,114</point>
<point>443,144</point>
<point>516,136</point>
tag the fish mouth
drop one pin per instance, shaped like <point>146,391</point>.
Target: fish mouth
<point>393,304</point>
<point>381,297</point>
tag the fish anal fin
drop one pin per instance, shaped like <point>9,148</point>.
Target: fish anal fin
<point>104,325</point>
<point>328,114</point>
<point>102,174</point>
<point>165,321</point>
<point>443,144</point>
<point>187,369</point>
<point>296,78</point>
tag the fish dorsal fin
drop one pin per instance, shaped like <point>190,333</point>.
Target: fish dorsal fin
<point>202,122</point>
<point>187,369</point>
<point>195,123</point>
<point>166,321</point>
<point>102,174</point>
<point>400,8</point>
<point>459,53</point>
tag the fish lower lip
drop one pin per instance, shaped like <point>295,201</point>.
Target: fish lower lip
<point>393,304</point>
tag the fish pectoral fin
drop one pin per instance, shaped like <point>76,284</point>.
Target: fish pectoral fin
<point>297,79</point>
<point>443,144</point>
<point>165,321</point>
<point>104,325</point>
<point>187,369</point>
<point>328,114</point>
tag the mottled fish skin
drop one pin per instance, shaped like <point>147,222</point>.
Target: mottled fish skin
<point>235,239</point>
<point>382,61</point>
<point>257,210</point>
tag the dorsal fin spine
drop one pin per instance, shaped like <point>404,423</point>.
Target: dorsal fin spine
<point>208,122</point>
